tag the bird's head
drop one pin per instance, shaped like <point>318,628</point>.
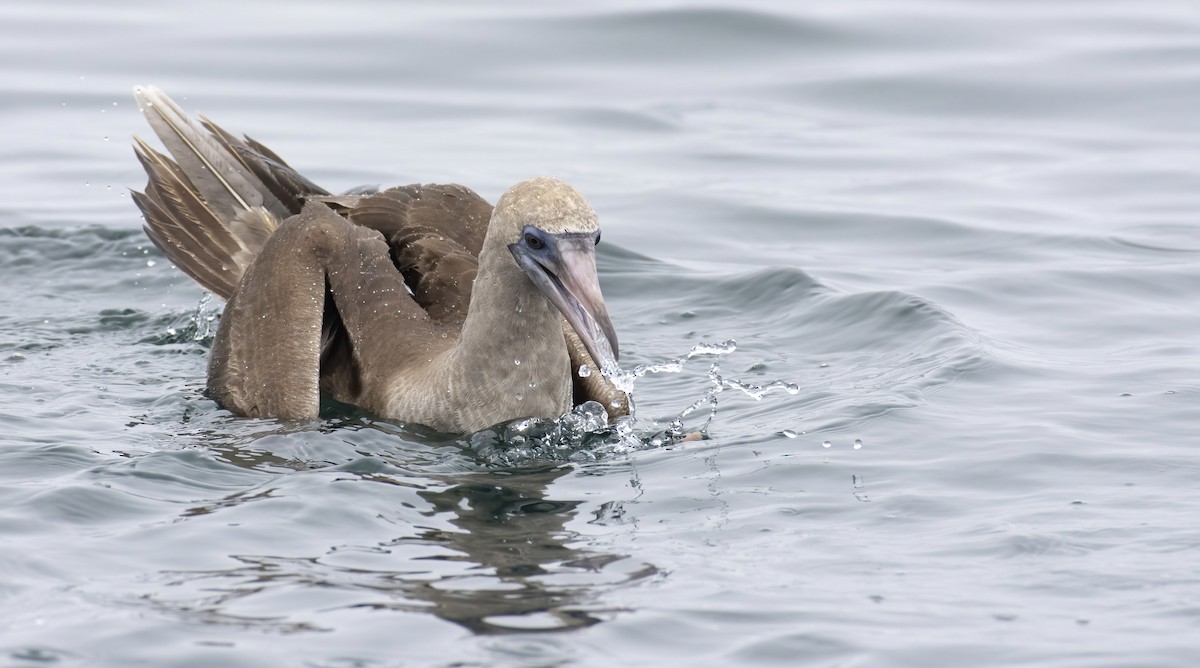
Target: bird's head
<point>552,233</point>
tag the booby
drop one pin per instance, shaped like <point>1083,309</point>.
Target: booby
<point>420,303</point>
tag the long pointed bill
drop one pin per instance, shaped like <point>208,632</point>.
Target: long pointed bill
<point>565,271</point>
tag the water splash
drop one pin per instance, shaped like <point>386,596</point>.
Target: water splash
<point>572,437</point>
<point>757,392</point>
<point>625,381</point>
<point>584,434</point>
<point>203,319</point>
<point>199,327</point>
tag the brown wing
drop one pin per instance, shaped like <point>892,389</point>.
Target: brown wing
<point>451,211</point>
<point>298,322</point>
<point>435,233</point>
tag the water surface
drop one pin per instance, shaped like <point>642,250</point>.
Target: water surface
<point>965,230</point>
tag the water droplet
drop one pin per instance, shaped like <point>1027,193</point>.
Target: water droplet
<point>532,385</point>
<point>789,433</point>
<point>520,397</point>
<point>858,444</point>
<point>517,362</point>
<point>584,371</point>
<point>823,365</point>
<point>150,263</point>
<point>826,444</point>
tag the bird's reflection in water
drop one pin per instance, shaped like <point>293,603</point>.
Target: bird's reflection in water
<point>508,560</point>
<point>510,530</point>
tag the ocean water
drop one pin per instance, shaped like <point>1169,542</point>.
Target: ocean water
<point>967,232</point>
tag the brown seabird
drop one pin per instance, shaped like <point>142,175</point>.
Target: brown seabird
<point>420,303</point>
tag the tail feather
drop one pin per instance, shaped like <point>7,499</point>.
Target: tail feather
<point>174,190</point>
<point>199,268</point>
<point>293,180</point>
<point>220,179</point>
<point>211,208</point>
<point>289,180</point>
<point>285,186</point>
<point>179,223</point>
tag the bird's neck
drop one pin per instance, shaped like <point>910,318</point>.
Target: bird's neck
<point>512,346</point>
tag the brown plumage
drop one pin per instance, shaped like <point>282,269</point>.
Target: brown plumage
<point>419,303</point>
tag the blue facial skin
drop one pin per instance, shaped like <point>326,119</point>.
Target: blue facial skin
<point>536,240</point>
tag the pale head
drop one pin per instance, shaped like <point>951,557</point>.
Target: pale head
<point>552,233</point>
<point>545,203</point>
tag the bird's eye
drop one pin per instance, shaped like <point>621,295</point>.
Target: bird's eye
<point>533,242</point>
<point>597,237</point>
